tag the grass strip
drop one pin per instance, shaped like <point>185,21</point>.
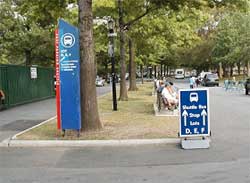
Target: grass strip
<point>134,119</point>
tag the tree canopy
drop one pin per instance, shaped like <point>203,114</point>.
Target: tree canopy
<point>191,33</point>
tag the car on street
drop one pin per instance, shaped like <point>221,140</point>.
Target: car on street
<point>187,74</point>
<point>210,79</point>
<point>109,79</point>
<point>127,76</point>
<point>99,82</point>
<point>138,74</point>
<point>202,75</point>
<point>194,73</point>
<point>247,86</point>
<point>179,74</point>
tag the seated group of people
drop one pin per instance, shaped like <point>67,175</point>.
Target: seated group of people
<point>169,94</point>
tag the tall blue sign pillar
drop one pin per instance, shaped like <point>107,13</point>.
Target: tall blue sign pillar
<point>69,76</point>
<point>194,123</point>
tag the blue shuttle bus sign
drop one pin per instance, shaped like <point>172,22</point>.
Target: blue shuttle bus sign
<point>69,75</point>
<point>194,113</point>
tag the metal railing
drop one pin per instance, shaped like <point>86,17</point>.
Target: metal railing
<point>237,86</point>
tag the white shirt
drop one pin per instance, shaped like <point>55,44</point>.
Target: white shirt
<point>157,83</point>
<point>165,93</point>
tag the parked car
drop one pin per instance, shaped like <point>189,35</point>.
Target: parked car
<point>179,74</point>
<point>99,82</point>
<point>202,75</point>
<point>127,76</point>
<point>187,74</point>
<point>109,79</point>
<point>210,80</point>
<point>118,78</point>
<point>194,73</point>
<point>138,74</point>
<point>247,86</point>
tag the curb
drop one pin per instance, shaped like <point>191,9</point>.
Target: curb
<point>5,143</point>
<point>88,143</point>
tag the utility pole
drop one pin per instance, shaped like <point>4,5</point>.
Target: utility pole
<point>111,52</point>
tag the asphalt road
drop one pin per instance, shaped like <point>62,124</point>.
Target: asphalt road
<point>21,117</point>
<point>227,160</point>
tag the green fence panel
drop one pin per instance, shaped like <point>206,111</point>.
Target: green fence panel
<point>20,88</point>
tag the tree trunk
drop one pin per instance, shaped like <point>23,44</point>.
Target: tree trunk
<point>132,67</point>
<point>106,69</point>
<point>155,71</point>
<point>150,72</point>
<point>123,88</point>
<point>161,71</point>
<point>28,57</point>
<point>89,107</point>
<point>238,66</point>
<point>225,74</point>
<point>231,70</point>
<point>220,70</point>
<point>248,68</point>
<point>164,70</point>
<point>142,80</point>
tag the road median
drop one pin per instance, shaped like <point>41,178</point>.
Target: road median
<point>134,123</point>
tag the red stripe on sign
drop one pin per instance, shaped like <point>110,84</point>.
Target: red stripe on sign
<point>57,74</point>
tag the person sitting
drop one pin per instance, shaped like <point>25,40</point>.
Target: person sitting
<point>169,97</point>
<point>160,86</point>
<point>159,90</point>
<point>157,83</point>
<point>2,99</point>
<point>174,90</point>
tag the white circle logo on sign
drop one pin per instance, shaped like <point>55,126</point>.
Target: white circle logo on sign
<point>68,40</point>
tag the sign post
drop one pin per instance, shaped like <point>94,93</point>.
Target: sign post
<point>67,76</point>
<point>194,120</point>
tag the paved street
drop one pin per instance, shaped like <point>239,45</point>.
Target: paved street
<point>227,161</point>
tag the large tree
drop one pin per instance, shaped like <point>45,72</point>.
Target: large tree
<point>123,87</point>
<point>232,42</point>
<point>132,67</point>
<point>89,107</point>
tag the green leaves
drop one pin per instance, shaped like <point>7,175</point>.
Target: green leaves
<point>27,30</point>
<point>163,30</point>
<point>232,39</point>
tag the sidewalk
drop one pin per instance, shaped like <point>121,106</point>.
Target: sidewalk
<point>21,117</point>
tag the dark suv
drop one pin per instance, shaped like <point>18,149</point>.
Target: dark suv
<point>247,86</point>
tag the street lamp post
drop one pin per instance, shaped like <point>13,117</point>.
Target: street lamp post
<point>111,35</point>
